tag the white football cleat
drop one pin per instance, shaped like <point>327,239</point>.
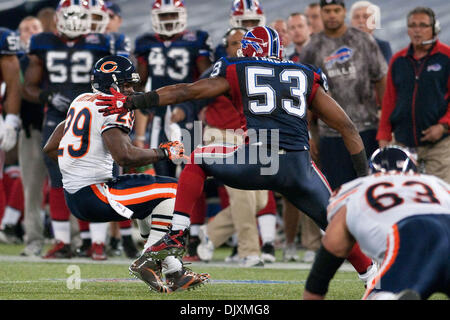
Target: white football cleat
<point>205,250</point>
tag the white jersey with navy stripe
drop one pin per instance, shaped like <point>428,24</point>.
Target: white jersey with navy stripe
<point>82,156</point>
<point>377,202</point>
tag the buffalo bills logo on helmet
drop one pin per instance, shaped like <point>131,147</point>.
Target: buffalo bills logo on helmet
<point>341,55</point>
<point>261,42</point>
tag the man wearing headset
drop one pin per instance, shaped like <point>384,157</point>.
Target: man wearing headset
<point>416,106</point>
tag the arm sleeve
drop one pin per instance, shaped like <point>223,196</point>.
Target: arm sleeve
<point>388,105</point>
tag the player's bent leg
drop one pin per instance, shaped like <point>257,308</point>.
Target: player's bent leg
<point>426,268</point>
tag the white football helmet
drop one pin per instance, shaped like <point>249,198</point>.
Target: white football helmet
<point>73,18</point>
<point>99,16</point>
<point>243,11</point>
<point>168,26</point>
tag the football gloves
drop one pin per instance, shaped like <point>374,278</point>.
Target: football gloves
<point>8,131</point>
<point>173,150</point>
<point>56,99</point>
<point>115,104</point>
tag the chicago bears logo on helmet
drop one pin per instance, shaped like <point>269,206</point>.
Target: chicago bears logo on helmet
<point>261,42</point>
<point>109,69</point>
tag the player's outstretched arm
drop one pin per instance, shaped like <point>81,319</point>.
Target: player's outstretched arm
<point>52,145</point>
<point>173,94</point>
<point>127,155</point>
<point>334,116</point>
<point>336,246</point>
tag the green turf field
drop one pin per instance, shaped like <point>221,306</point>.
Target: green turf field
<point>36,279</point>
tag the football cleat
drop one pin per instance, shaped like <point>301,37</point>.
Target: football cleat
<point>233,257</point>
<point>268,252</point>
<point>149,271</point>
<point>205,250</point>
<point>59,251</point>
<point>370,275</point>
<point>290,253</point>
<point>85,251</point>
<point>98,251</point>
<point>186,279</point>
<point>171,244</point>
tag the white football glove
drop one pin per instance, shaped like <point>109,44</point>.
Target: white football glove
<point>60,102</point>
<point>8,132</point>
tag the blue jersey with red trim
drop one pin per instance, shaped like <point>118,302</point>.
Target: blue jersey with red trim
<point>68,64</point>
<point>272,94</point>
<point>172,61</point>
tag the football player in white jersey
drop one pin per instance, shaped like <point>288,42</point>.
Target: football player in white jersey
<point>401,219</point>
<point>86,144</point>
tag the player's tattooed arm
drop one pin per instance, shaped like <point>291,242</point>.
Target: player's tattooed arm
<point>52,145</point>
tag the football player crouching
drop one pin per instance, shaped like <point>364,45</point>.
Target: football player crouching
<point>86,144</point>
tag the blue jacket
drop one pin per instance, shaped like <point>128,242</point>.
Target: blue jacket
<point>416,96</point>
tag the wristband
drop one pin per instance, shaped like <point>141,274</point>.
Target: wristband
<point>13,120</point>
<point>360,163</point>
<point>162,153</point>
<point>323,270</point>
<point>144,101</point>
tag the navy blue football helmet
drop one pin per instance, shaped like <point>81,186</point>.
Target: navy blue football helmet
<point>392,158</point>
<point>112,71</point>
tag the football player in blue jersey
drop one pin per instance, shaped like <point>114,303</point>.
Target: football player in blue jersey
<point>170,55</point>
<point>58,71</point>
<point>9,74</point>
<point>273,96</point>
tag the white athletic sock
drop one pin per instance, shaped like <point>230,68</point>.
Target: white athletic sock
<point>267,227</point>
<point>180,222</point>
<point>98,231</point>
<point>61,231</point>
<point>171,264</point>
<point>11,217</point>
<point>194,229</point>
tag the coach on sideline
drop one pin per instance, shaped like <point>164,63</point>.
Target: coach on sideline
<point>416,105</point>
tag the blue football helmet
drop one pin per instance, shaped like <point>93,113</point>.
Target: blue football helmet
<point>112,71</point>
<point>392,158</point>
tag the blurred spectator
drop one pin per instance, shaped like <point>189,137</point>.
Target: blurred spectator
<point>115,17</point>
<point>47,18</point>
<point>366,16</point>
<point>299,32</point>
<point>416,106</point>
<point>31,160</point>
<point>280,26</point>
<point>312,13</point>
<point>353,64</point>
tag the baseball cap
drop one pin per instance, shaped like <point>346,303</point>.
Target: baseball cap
<point>113,8</point>
<point>324,3</point>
